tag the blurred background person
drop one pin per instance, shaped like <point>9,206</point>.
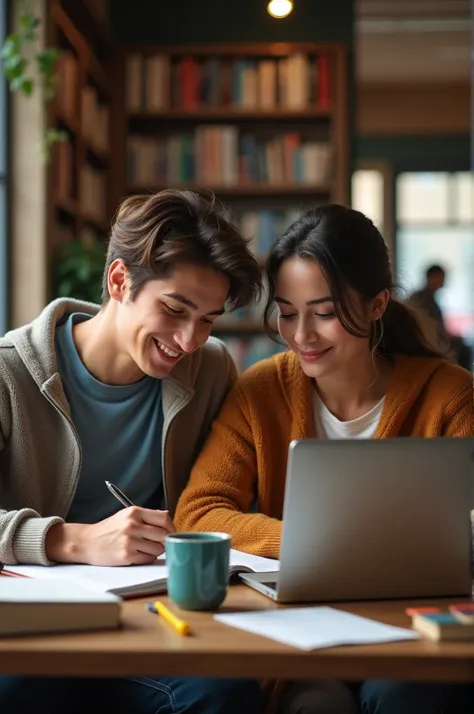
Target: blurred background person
<point>425,300</point>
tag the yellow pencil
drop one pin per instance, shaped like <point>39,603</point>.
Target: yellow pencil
<point>180,626</point>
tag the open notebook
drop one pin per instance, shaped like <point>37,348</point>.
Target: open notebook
<point>134,580</point>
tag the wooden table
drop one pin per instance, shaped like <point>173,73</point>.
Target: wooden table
<point>146,645</point>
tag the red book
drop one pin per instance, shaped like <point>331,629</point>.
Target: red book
<point>189,78</point>
<point>324,82</point>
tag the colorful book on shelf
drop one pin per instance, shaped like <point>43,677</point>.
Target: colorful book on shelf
<point>264,226</point>
<point>297,82</point>
<point>221,156</point>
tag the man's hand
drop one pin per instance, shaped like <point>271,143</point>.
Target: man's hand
<point>133,536</point>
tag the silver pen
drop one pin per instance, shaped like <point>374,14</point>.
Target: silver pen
<point>119,495</point>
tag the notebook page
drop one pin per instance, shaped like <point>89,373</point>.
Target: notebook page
<point>101,578</point>
<point>131,578</point>
<point>240,561</point>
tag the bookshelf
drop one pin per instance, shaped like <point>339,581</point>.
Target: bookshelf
<point>79,180</point>
<point>264,126</point>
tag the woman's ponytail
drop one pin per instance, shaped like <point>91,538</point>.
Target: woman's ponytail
<point>407,331</point>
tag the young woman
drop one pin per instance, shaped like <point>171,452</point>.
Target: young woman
<point>358,366</point>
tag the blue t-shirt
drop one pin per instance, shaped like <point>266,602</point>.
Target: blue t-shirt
<point>120,430</point>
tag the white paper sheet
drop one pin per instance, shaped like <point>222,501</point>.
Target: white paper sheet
<point>313,628</point>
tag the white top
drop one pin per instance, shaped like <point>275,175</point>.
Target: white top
<point>330,427</point>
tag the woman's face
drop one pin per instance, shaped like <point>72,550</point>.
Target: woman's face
<point>308,323</point>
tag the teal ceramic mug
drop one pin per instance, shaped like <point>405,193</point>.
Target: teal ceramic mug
<point>198,569</point>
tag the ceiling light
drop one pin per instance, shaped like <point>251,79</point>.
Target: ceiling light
<point>280,8</point>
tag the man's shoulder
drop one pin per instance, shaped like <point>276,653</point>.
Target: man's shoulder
<point>213,355</point>
<point>214,346</point>
<point>12,368</point>
<point>212,362</point>
<point>9,357</point>
<point>6,343</point>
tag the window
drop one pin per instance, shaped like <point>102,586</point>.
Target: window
<point>368,194</point>
<point>435,224</point>
<point>371,192</point>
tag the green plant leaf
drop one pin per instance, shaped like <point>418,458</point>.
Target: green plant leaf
<point>46,61</point>
<point>50,86</point>
<point>11,45</point>
<point>15,66</point>
<point>14,62</point>
<point>51,137</point>
<point>54,135</point>
<point>77,270</point>
<point>28,26</point>
<point>22,84</point>
<point>29,22</point>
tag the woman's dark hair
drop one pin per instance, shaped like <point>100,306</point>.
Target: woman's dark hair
<point>351,253</point>
<point>154,233</point>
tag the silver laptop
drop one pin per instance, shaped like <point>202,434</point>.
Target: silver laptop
<point>387,518</point>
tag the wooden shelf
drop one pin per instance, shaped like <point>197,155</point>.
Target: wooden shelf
<point>98,76</point>
<point>74,36</point>
<point>71,208</point>
<point>100,224</point>
<point>98,157</point>
<point>67,205</point>
<point>90,22</point>
<point>72,127</point>
<point>241,50</point>
<point>68,122</point>
<point>245,190</point>
<point>233,114</point>
<point>325,123</point>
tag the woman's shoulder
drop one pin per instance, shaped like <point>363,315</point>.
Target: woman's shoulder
<point>270,380</point>
<point>439,366</point>
<point>453,383</point>
<point>440,375</point>
<point>279,368</point>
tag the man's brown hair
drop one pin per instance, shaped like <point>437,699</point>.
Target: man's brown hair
<point>154,233</point>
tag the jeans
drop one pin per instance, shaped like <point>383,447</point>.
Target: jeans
<point>132,695</point>
<point>384,696</point>
<point>375,696</point>
<point>317,696</point>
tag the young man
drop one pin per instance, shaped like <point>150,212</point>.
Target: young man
<point>425,300</point>
<point>125,392</point>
